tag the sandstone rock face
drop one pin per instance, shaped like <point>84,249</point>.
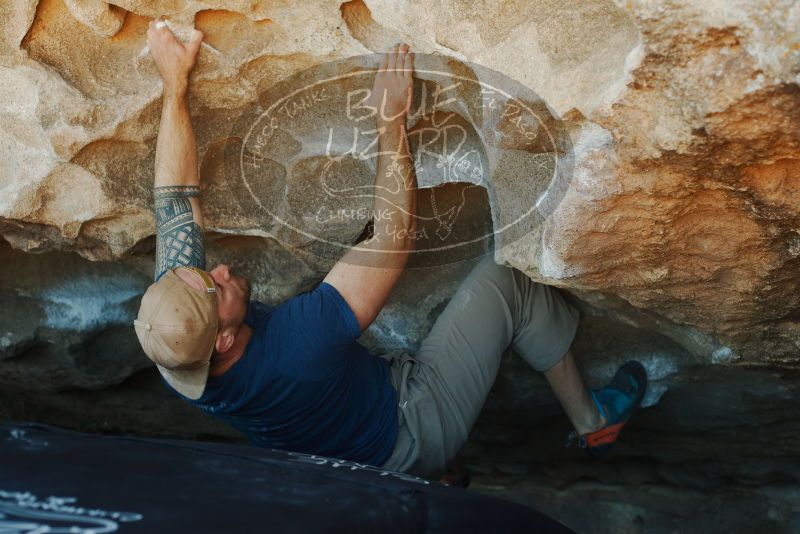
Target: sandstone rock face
<point>685,203</point>
<point>675,222</point>
<point>683,121</point>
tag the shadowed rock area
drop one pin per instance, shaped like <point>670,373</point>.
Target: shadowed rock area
<point>676,226</point>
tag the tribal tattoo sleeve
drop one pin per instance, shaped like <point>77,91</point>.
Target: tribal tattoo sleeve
<point>179,239</point>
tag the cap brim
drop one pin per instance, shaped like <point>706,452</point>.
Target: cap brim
<point>189,383</point>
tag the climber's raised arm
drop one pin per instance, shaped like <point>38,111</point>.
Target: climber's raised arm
<point>366,275</point>
<point>179,220</point>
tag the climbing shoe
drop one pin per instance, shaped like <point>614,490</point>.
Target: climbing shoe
<point>616,402</point>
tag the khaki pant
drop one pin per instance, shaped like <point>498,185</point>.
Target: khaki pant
<point>442,388</point>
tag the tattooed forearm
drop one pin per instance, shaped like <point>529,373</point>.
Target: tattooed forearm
<point>179,239</point>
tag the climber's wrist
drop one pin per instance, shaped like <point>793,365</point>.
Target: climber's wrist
<point>176,91</point>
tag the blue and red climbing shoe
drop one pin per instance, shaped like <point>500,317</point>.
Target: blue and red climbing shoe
<point>617,402</point>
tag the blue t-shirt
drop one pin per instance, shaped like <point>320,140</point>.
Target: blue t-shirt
<point>304,384</point>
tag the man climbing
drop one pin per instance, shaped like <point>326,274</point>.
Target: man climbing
<point>294,376</point>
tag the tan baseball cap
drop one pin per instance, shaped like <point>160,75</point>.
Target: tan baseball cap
<point>177,327</point>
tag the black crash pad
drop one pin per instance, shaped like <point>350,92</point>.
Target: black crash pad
<point>54,480</point>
